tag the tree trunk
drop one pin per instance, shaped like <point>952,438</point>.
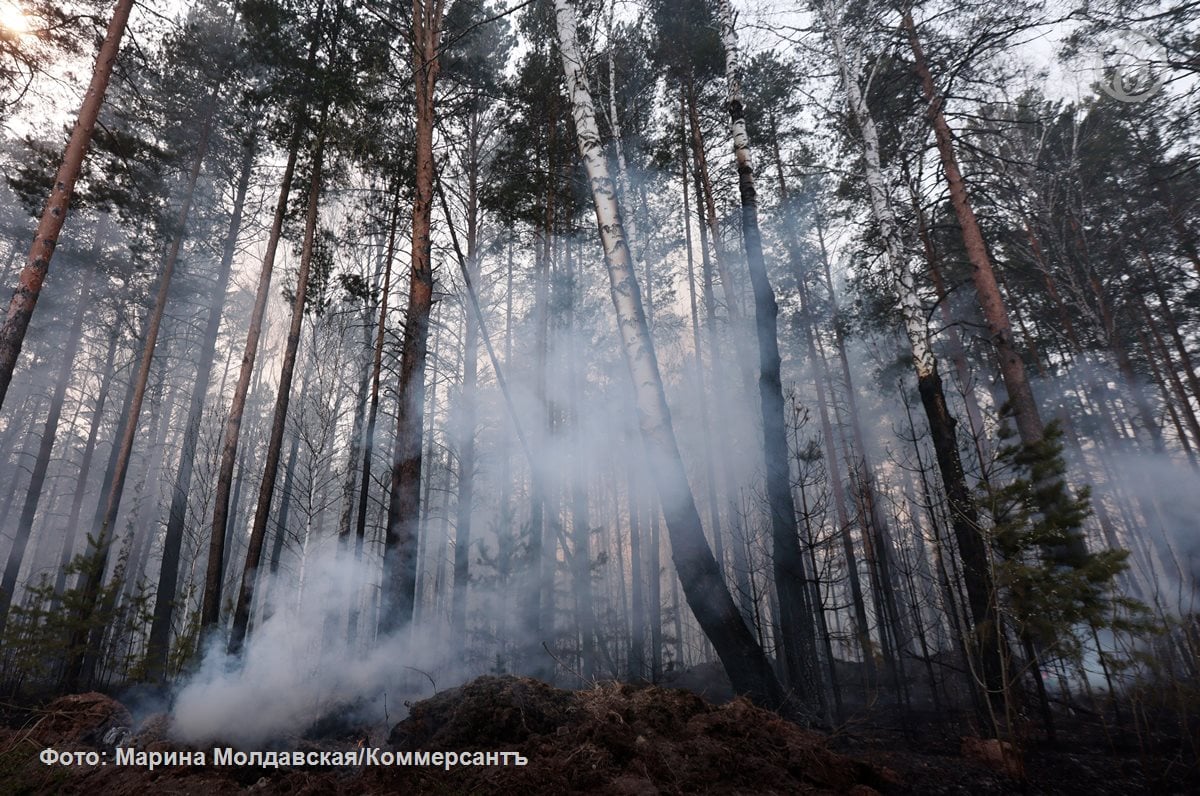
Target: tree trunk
<point>210,609</point>
<point>987,643</point>
<point>159,642</point>
<point>400,542</point>
<point>37,479</point>
<point>1021,400</point>
<point>80,664</point>
<point>1172,325</point>
<point>29,285</point>
<point>741,565</point>
<point>71,530</point>
<point>821,377</point>
<point>795,622</point>
<point>710,209</point>
<point>266,492</point>
<point>368,445</point>
<point>467,412</point>
<point>748,668</point>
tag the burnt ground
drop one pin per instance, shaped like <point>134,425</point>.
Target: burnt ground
<point>610,739</point>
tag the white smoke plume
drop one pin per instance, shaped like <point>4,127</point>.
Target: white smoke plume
<point>291,674</point>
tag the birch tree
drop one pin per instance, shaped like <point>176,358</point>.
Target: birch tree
<point>964,515</point>
<point>1021,399</point>
<point>795,619</point>
<point>707,595</point>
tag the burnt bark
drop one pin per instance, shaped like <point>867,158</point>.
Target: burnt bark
<point>1021,401</point>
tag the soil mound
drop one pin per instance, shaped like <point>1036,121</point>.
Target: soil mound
<point>610,739</point>
<point>90,719</point>
<point>625,739</point>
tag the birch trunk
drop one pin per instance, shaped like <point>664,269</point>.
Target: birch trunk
<point>987,644</point>
<point>795,621</point>
<point>1012,369</point>
<point>748,668</point>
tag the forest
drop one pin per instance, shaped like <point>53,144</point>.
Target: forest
<point>834,360</point>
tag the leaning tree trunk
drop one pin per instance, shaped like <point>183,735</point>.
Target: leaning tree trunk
<point>266,491</point>
<point>1012,369</point>
<point>795,620</point>
<point>744,661</point>
<point>29,284</point>
<point>401,538</point>
<point>987,644</point>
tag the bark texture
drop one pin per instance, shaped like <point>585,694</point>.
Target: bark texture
<point>795,619</point>
<point>401,538</point>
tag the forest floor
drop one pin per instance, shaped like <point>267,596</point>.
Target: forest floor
<point>610,739</point>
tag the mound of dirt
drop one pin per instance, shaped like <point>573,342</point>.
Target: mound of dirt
<point>90,719</point>
<point>624,739</point>
<point>486,713</point>
<point>611,739</point>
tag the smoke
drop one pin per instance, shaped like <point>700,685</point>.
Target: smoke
<point>1154,491</point>
<point>297,666</point>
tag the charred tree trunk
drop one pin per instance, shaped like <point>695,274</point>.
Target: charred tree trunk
<point>744,661</point>
<point>795,622</point>
<point>1021,400</point>
<point>988,645</point>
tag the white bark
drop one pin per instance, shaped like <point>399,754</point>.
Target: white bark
<point>902,275</point>
<point>614,121</point>
<point>626,296</point>
<point>733,84</point>
<point>748,668</point>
